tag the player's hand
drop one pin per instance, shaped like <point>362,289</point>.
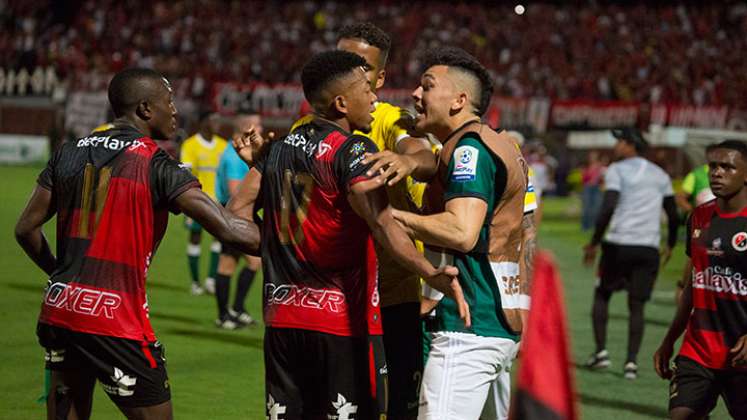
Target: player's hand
<point>738,353</point>
<point>390,167</point>
<point>665,255</point>
<point>661,360</point>
<point>590,254</point>
<point>445,281</point>
<point>251,146</point>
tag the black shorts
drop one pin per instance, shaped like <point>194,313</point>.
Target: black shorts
<point>697,387</point>
<point>313,375</point>
<point>132,373</point>
<point>629,267</point>
<point>226,249</point>
<point>403,343</point>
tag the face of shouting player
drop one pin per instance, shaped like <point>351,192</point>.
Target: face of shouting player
<point>163,113</point>
<point>359,101</point>
<point>436,99</point>
<point>727,172</point>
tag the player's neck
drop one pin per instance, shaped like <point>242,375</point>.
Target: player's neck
<point>455,124</point>
<point>135,123</point>
<point>207,136</point>
<point>340,122</point>
<point>735,203</point>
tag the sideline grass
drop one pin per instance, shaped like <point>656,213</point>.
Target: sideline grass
<point>218,374</point>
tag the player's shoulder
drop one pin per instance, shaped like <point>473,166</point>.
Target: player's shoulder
<point>190,141</point>
<point>302,121</point>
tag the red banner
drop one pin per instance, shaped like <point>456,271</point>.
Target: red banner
<point>582,114</point>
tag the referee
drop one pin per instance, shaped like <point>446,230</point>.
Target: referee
<point>636,190</point>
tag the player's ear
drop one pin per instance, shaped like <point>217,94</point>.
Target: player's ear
<point>380,77</point>
<point>143,110</point>
<point>460,102</point>
<point>340,104</point>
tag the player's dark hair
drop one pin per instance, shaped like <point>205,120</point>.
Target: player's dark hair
<point>324,68</point>
<point>464,61</point>
<point>736,145</point>
<point>367,31</point>
<point>130,87</point>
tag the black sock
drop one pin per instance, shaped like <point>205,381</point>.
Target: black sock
<point>242,289</point>
<point>635,328</point>
<point>599,314</point>
<point>222,286</point>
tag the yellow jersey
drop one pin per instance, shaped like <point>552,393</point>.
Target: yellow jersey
<point>397,284</point>
<point>203,157</point>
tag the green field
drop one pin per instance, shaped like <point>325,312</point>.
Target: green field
<point>218,374</point>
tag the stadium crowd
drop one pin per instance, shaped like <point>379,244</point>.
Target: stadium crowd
<point>665,53</point>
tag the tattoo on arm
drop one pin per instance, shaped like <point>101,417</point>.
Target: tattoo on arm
<point>528,249</point>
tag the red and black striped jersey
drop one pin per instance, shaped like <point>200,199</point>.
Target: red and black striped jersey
<point>717,246</point>
<point>319,263</point>
<point>112,192</point>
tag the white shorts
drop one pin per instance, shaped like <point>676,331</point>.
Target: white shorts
<point>467,377</point>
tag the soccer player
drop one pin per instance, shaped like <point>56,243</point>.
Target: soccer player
<point>713,309</point>
<point>636,191</point>
<point>231,170</point>
<point>476,203</point>
<point>201,153</point>
<point>321,299</point>
<point>112,192</point>
<point>400,156</point>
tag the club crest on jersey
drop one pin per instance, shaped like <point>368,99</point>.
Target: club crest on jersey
<point>739,241</point>
<point>715,248</point>
<point>465,164</point>
<point>358,149</point>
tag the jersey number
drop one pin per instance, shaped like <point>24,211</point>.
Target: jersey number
<point>291,203</point>
<point>93,198</point>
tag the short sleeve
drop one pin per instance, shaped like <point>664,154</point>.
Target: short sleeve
<point>46,177</point>
<point>612,180</point>
<point>530,197</point>
<point>472,171</point>
<point>396,123</point>
<point>187,155</point>
<point>349,167</point>
<point>169,179</point>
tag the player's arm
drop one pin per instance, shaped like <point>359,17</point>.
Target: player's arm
<point>413,157</point>
<point>526,257</point>
<point>609,202</point>
<point>457,228</point>
<point>373,206</point>
<point>676,328</point>
<point>237,232</point>
<point>243,199</point>
<point>39,209</point>
<point>683,196</point>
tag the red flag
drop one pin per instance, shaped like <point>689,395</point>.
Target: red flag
<point>546,389</point>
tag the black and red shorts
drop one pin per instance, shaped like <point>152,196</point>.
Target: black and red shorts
<point>132,373</point>
<point>697,387</point>
<point>313,375</point>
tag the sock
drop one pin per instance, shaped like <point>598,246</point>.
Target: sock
<point>242,289</point>
<point>214,257</point>
<point>599,314</point>
<point>635,328</point>
<point>193,256</point>
<point>222,286</point>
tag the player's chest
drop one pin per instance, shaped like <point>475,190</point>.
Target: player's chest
<point>724,240</point>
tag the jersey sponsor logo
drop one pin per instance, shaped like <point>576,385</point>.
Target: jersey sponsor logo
<point>465,164</point>
<point>123,384</point>
<point>358,149</point>
<point>344,409</point>
<point>720,279</point>
<point>696,233</point>
<point>323,149</point>
<point>301,142</point>
<point>739,241</point>
<point>82,300</point>
<point>305,297</point>
<point>109,143</point>
<point>275,410</point>
<point>715,248</point>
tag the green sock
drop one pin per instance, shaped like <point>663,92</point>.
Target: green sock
<point>193,256</point>
<point>214,256</point>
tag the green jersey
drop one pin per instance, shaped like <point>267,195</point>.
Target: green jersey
<point>476,172</point>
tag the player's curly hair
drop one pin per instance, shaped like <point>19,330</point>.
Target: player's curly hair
<point>324,68</point>
<point>367,31</point>
<point>455,57</point>
<point>736,145</point>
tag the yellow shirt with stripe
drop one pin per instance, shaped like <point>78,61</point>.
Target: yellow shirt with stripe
<point>203,157</point>
<point>396,283</point>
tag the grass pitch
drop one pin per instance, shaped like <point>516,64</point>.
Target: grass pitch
<point>218,374</point>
